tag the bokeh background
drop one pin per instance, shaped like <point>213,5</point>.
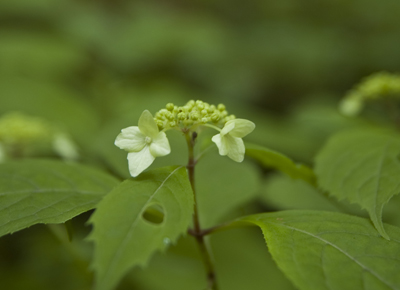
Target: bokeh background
<point>90,68</point>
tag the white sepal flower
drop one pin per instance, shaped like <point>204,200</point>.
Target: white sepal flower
<point>229,140</point>
<point>143,142</point>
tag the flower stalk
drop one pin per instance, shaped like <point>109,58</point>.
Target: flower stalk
<point>197,232</point>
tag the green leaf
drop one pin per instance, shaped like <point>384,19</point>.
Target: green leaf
<point>328,250</point>
<point>362,167</point>
<point>65,108</point>
<point>124,236</point>
<point>44,191</point>
<point>280,192</point>
<point>223,186</point>
<point>270,158</point>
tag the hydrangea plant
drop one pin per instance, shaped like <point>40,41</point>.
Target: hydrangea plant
<point>150,211</point>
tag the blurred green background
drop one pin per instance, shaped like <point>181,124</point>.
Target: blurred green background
<point>90,68</point>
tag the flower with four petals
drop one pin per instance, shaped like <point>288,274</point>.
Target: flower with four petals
<point>143,142</point>
<point>229,140</point>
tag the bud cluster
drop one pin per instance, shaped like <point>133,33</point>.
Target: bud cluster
<point>16,128</point>
<point>24,135</point>
<point>193,113</point>
<point>379,85</point>
<point>374,87</point>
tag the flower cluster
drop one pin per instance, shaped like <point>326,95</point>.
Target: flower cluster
<point>148,140</point>
<point>194,113</point>
<point>22,135</point>
<point>373,87</point>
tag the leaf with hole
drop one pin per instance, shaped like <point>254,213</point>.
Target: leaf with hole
<point>44,191</point>
<point>137,218</point>
<point>362,167</point>
<point>276,160</point>
<point>332,251</point>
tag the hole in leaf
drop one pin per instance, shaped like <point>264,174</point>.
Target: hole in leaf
<point>154,214</point>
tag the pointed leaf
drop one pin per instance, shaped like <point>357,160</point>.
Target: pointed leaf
<point>276,160</point>
<point>362,167</point>
<point>332,251</point>
<point>122,234</point>
<point>44,191</point>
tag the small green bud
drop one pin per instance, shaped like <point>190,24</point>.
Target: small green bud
<point>194,116</point>
<point>169,116</point>
<point>170,107</point>
<point>200,105</point>
<point>215,117</point>
<point>160,124</point>
<point>221,107</point>
<point>181,116</point>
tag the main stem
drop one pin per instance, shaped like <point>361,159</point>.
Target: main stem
<point>197,232</point>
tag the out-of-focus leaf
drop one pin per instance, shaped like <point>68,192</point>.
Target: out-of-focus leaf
<point>44,191</point>
<point>38,55</point>
<point>179,268</point>
<point>243,262</point>
<point>223,185</point>
<point>269,158</point>
<point>362,167</point>
<point>66,109</point>
<point>327,250</point>
<point>124,237</point>
<point>280,192</point>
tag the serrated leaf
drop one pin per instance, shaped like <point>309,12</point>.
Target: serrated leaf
<point>362,167</point>
<point>332,251</point>
<point>123,237</point>
<point>276,160</point>
<point>44,191</point>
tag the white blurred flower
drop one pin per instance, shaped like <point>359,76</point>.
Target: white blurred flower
<point>351,105</point>
<point>143,142</point>
<point>65,147</point>
<point>229,140</point>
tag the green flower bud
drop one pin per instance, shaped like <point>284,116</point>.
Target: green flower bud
<point>170,107</point>
<point>215,117</point>
<point>160,124</point>
<point>221,107</point>
<point>169,116</point>
<point>194,116</point>
<point>182,116</point>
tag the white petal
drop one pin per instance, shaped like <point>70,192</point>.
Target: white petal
<point>65,147</point>
<point>236,148</point>
<point>147,125</point>
<point>227,128</point>
<point>160,145</point>
<point>139,161</point>
<point>221,144</point>
<point>242,128</point>
<point>131,139</point>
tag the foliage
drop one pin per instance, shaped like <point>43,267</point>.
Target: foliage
<point>320,82</point>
